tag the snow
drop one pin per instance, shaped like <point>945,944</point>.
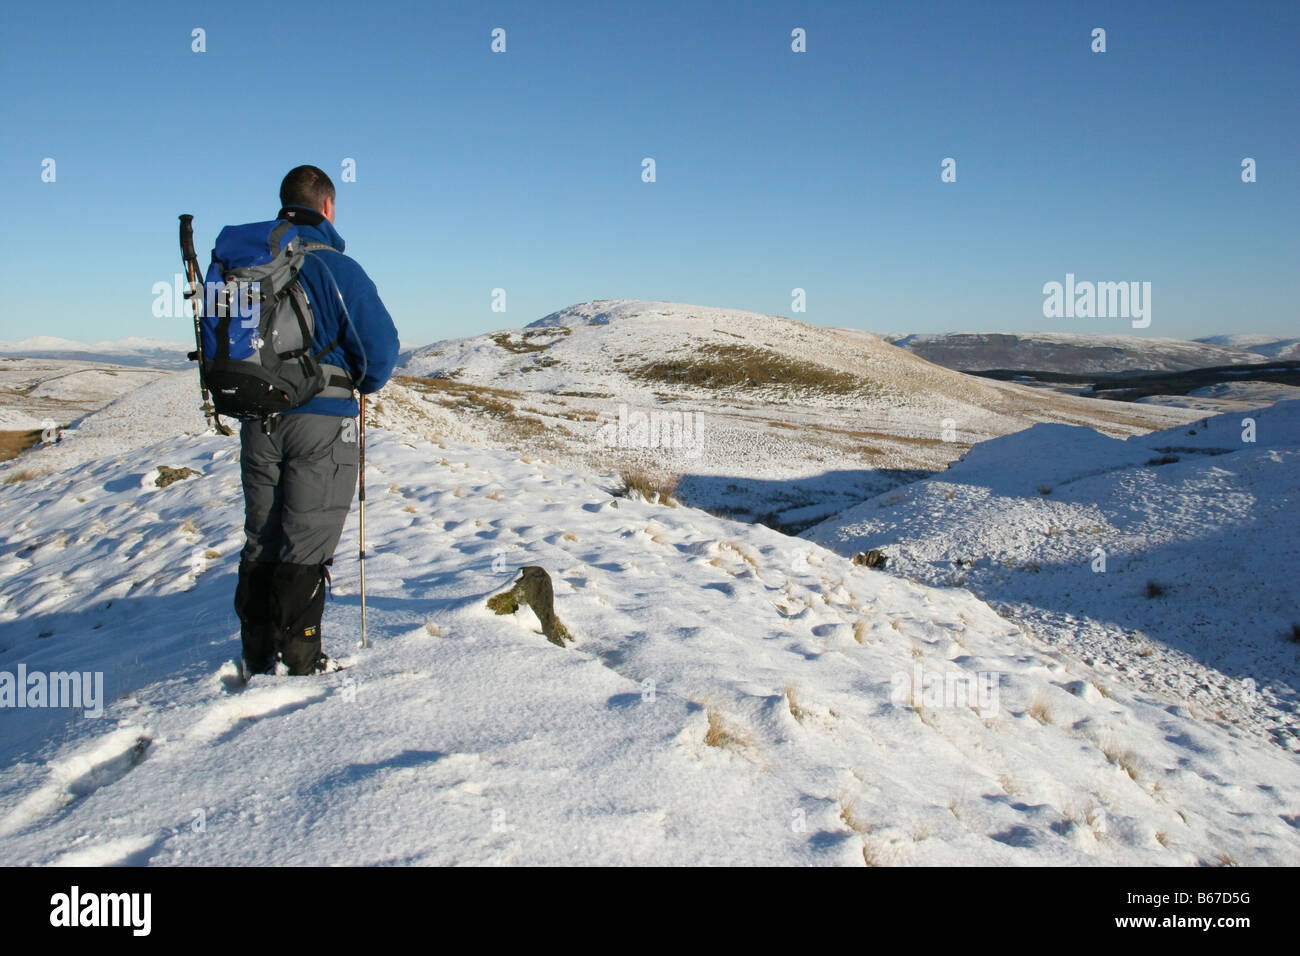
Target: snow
<point>735,695</point>
<point>1205,514</point>
<point>1271,346</point>
<point>168,405</point>
<point>1228,396</point>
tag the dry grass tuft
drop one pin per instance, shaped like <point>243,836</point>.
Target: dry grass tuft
<point>1128,761</point>
<point>1040,708</point>
<point>852,820</point>
<point>721,734</point>
<point>656,489</point>
<point>792,701</point>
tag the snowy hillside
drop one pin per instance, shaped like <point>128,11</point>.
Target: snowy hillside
<point>36,392</point>
<point>1267,345</point>
<point>1074,353</point>
<point>734,696</point>
<point>760,416</point>
<point>1196,598</point>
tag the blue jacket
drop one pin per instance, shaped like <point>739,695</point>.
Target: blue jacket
<point>369,347</point>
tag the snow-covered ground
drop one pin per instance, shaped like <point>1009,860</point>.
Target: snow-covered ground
<point>35,392</point>
<point>1200,535</point>
<point>1227,397</point>
<point>735,695</point>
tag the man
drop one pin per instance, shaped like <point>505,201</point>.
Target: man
<point>300,473</point>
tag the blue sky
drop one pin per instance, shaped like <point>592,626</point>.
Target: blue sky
<point>775,170</point>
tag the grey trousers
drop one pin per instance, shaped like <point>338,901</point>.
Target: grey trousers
<point>298,487</point>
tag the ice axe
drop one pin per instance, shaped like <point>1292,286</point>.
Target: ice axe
<point>195,294</point>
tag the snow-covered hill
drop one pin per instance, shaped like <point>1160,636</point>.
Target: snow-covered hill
<point>759,415</point>
<point>1200,534</point>
<point>1073,353</point>
<point>734,696</point>
<point>1267,345</point>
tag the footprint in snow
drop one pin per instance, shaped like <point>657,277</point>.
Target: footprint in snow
<point>76,777</point>
<point>231,715</point>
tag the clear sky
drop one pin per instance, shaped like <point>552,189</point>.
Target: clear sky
<point>775,169</point>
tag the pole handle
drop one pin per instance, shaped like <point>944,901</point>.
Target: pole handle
<point>187,238</point>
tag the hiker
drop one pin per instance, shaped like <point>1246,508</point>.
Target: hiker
<point>300,467</point>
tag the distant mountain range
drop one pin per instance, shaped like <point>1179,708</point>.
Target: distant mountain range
<point>144,352</point>
<point>1091,354</point>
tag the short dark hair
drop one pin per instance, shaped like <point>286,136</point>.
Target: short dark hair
<point>306,186</point>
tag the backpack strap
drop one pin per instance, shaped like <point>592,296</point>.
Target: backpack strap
<point>310,245</point>
<point>336,378</point>
<point>277,234</point>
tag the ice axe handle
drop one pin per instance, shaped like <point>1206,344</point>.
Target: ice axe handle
<point>187,238</point>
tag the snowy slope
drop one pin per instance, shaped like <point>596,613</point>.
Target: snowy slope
<point>791,422</point>
<point>1075,353</point>
<point>1208,518</point>
<point>1227,397</point>
<point>168,405</point>
<point>37,392</point>
<point>734,696</point>
<point>1269,345</point>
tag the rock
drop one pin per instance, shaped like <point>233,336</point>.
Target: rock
<point>167,476</point>
<point>534,589</point>
<point>875,558</point>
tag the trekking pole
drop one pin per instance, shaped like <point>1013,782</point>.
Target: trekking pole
<point>195,294</point>
<point>364,642</point>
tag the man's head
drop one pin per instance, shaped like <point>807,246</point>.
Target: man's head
<point>308,186</point>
